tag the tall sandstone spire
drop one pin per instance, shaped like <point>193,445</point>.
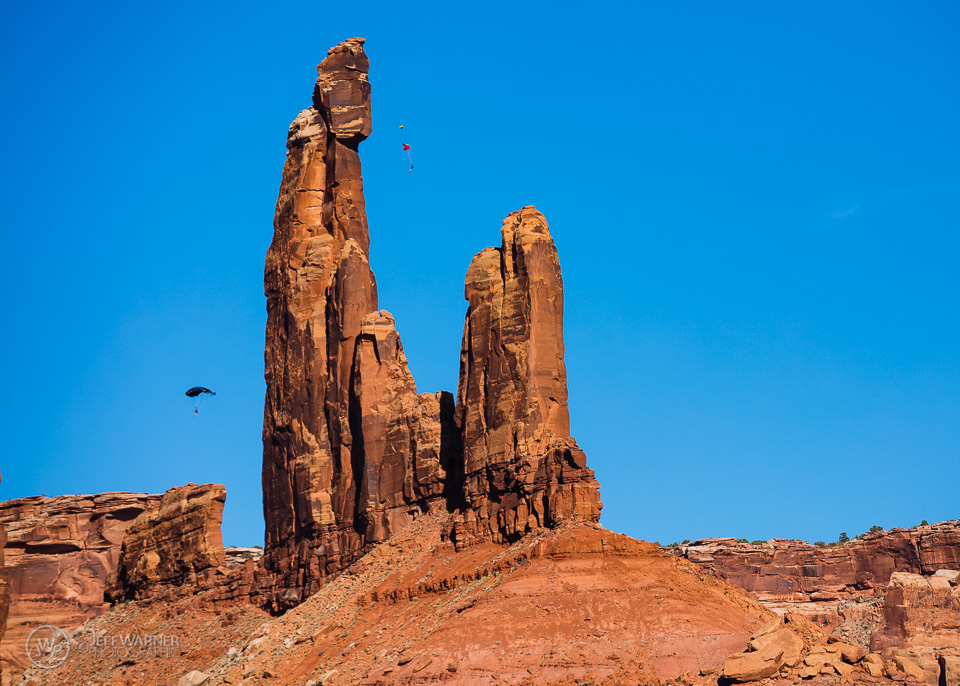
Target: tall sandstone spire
<point>521,468</point>
<point>350,452</point>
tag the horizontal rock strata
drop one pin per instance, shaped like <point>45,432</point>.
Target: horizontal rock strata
<point>782,569</point>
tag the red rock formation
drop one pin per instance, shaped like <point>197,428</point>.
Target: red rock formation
<point>883,591</point>
<point>921,621</point>
<point>176,543</point>
<point>351,452</point>
<point>4,591</point>
<point>58,555</point>
<point>522,470</point>
<point>794,571</point>
<point>342,420</point>
<point>573,604</point>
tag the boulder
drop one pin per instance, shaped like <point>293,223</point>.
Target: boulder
<point>951,575</point>
<point>907,666</point>
<point>753,666</point>
<point>193,678</point>
<point>776,634</point>
<point>850,653</point>
<point>872,664</point>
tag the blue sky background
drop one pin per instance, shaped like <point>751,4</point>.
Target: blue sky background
<point>756,207</point>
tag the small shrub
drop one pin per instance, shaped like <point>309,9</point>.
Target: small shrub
<point>924,523</point>
<point>843,537</point>
<point>820,544</point>
<point>757,542</point>
<point>685,541</point>
<point>742,540</point>
<point>874,529</point>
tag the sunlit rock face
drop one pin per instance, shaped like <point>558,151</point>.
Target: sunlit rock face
<point>351,452</point>
<point>58,554</point>
<point>522,470</point>
<point>175,544</point>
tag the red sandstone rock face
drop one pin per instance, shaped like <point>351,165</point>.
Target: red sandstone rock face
<point>921,621</point>
<point>4,591</point>
<point>350,452</point>
<point>58,554</point>
<point>883,591</point>
<point>522,470</point>
<point>795,571</point>
<point>177,543</point>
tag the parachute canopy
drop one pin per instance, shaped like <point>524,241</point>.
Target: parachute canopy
<point>406,148</point>
<point>197,390</point>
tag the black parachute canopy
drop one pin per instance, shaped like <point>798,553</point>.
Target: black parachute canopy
<point>197,390</point>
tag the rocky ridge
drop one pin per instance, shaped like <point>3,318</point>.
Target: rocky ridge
<point>575,602</point>
<point>835,584</point>
<point>790,570</point>
<point>891,593</point>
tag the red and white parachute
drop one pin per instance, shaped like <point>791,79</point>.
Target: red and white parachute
<point>406,148</point>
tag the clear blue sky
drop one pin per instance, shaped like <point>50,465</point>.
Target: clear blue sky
<point>756,206</point>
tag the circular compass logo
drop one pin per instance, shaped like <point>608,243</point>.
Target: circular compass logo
<point>48,646</point>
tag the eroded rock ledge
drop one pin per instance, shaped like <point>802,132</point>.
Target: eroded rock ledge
<point>175,544</point>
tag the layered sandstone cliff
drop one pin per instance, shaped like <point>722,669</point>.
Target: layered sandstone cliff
<point>795,571</point>
<point>521,468</point>
<point>58,554</point>
<point>175,544</point>
<point>350,451</point>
